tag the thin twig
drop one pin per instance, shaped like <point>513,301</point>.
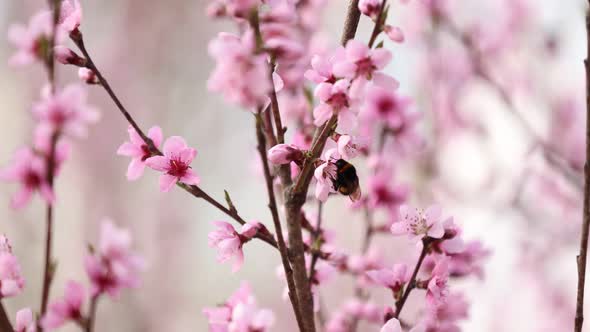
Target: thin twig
<point>272,205</point>
<point>54,5</point>
<point>92,314</point>
<point>399,305</point>
<point>378,28</point>
<point>316,240</point>
<point>582,256</point>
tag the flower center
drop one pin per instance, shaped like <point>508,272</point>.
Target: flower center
<point>338,101</point>
<point>364,67</point>
<point>385,105</point>
<point>146,152</point>
<point>32,179</point>
<point>177,168</point>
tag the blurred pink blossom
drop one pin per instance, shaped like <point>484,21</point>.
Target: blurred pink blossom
<point>139,151</point>
<point>68,308</point>
<point>229,242</point>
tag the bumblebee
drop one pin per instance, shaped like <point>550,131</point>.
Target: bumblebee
<point>346,182</point>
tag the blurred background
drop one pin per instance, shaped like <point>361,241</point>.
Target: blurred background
<point>488,170</point>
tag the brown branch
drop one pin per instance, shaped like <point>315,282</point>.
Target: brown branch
<point>49,267</point>
<point>91,314</point>
<point>5,325</point>
<point>272,205</point>
<point>399,305</point>
<point>296,195</point>
<point>315,243</point>
<point>582,256</point>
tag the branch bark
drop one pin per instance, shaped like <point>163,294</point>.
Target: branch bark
<point>582,256</point>
<point>5,325</point>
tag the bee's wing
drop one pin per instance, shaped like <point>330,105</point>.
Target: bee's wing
<point>355,195</point>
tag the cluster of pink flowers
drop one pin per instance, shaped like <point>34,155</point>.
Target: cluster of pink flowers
<point>239,313</point>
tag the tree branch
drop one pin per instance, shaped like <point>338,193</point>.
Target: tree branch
<point>582,256</point>
<point>5,325</point>
<point>399,305</point>
<point>272,205</point>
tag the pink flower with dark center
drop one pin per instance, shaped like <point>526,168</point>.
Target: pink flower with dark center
<point>25,321</point>
<point>229,242</point>
<point>386,105</point>
<point>113,266</point>
<point>385,194</point>
<point>70,16</point>
<point>32,41</point>
<point>322,67</point>
<point>469,261</point>
<point>30,170</point>
<point>175,164</point>
<point>394,278</point>
<point>417,224</point>
<point>68,308</point>
<point>361,61</point>
<point>11,280</point>
<point>139,151</point>
<point>66,111</point>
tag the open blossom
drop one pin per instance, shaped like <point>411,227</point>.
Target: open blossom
<point>383,193</point>
<point>361,61</point>
<point>351,146</point>
<point>229,242</point>
<point>63,310</point>
<point>393,325</point>
<point>240,74</point>
<point>469,261</point>
<point>70,16</point>
<point>437,289</point>
<point>335,98</point>
<point>284,154</point>
<point>11,280</point>
<point>113,266</point>
<point>325,174</point>
<point>239,313</point>
<point>322,67</point>
<point>418,224</point>
<point>138,150</point>
<point>66,111</point>
<point>386,105</point>
<point>25,321</point>
<point>175,164</point>
<point>32,41</point>
<point>30,170</point>
<point>394,278</point>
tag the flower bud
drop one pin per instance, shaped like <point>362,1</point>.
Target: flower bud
<point>88,76</point>
<point>394,33</point>
<point>284,154</point>
<point>66,56</point>
<point>370,8</point>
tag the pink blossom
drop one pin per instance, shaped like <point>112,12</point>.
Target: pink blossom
<point>240,74</point>
<point>382,193</point>
<point>175,164</point>
<point>437,290</point>
<point>11,280</point>
<point>229,242</point>
<point>30,170</point>
<point>284,154</point>
<point>240,313</point>
<point>139,151</point>
<point>351,146</point>
<point>393,278</point>
<point>32,41</point>
<point>394,33</point>
<point>469,261</point>
<point>335,99</point>
<point>113,266</point>
<point>66,111</point>
<point>371,8</point>
<point>322,67</point>
<point>386,105</point>
<point>325,174</point>
<point>418,224</point>
<point>25,321</point>
<point>361,61</point>
<point>70,16</point>
<point>69,308</point>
